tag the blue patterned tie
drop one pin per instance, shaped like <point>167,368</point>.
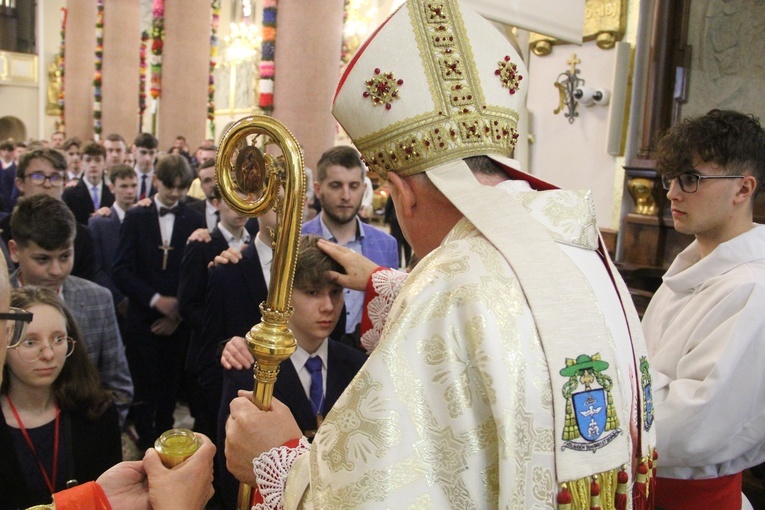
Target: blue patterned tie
<point>95,196</point>
<point>313,365</point>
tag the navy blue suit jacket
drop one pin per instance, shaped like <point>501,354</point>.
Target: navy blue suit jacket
<point>137,269</point>
<point>8,189</point>
<point>343,362</point>
<point>232,307</point>
<point>80,201</point>
<point>106,238</point>
<point>192,290</point>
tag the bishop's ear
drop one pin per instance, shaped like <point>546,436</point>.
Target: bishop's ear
<point>405,194</point>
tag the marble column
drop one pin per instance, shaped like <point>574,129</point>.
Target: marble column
<point>120,70</point>
<point>307,69</point>
<point>185,72</point>
<point>80,40</point>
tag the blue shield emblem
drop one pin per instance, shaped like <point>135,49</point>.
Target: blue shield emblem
<point>648,403</point>
<point>590,410</point>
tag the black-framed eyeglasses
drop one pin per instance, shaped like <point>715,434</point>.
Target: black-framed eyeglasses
<point>689,182</point>
<point>16,323</point>
<point>39,178</point>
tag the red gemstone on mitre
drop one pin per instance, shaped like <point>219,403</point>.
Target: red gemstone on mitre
<point>512,91</point>
<point>497,72</point>
<point>507,58</point>
<point>377,70</point>
<point>366,94</point>
<point>387,106</point>
<point>400,82</point>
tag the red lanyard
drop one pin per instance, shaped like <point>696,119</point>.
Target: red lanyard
<point>48,481</point>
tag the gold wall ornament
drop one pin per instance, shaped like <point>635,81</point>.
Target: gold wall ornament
<point>641,189</point>
<point>55,83</point>
<point>250,181</point>
<point>605,21</point>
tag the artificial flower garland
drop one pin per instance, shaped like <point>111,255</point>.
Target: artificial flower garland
<point>97,74</point>
<point>345,51</point>
<point>267,51</point>
<point>158,35</point>
<point>61,48</point>
<point>215,4</point>
<point>142,79</point>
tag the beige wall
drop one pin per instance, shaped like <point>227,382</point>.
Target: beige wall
<point>120,77</point>
<point>307,66</point>
<point>185,72</point>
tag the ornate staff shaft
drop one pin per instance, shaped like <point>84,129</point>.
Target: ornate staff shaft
<point>249,182</point>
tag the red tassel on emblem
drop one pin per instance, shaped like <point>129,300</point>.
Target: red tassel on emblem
<point>620,499</point>
<point>640,496</point>
<point>564,498</point>
<point>652,481</point>
<point>595,494</point>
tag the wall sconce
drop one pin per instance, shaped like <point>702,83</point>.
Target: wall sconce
<point>572,91</point>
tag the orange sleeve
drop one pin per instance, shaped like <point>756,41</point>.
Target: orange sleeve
<point>88,496</point>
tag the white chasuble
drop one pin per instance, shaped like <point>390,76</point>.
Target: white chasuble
<point>455,406</point>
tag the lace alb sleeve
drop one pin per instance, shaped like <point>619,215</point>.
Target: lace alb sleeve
<point>382,289</point>
<point>271,470</point>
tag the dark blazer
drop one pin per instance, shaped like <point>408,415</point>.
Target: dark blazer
<point>198,205</point>
<point>106,237</point>
<point>192,289</point>
<point>137,269</point>
<point>251,226</point>
<point>84,260</point>
<point>8,189</point>
<point>80,201</point>
<point>95,447</point>
<point>343,362</point>
<point>234,294</point>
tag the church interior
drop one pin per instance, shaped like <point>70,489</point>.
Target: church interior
<point>597,100</point>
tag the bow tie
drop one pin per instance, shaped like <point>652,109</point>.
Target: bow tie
<point>168,210</point>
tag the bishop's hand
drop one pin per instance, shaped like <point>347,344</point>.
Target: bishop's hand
<point>250,432</point>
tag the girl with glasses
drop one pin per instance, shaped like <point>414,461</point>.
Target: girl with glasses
<point>57,426</point>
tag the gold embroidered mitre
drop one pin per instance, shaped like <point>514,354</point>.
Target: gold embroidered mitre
<point>436,82</point>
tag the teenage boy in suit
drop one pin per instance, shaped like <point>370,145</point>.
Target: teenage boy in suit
<point>229,232</point>
<point>106,230</point>
<point>147,271</point>
<point>43,248</point>
<point>43,171</point>
<point>318,305</point>
<point>91,192</point>
<point>144,152</point>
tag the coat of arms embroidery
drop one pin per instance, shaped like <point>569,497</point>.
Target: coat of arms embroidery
<point>591,419</point>
<point>645,383</point>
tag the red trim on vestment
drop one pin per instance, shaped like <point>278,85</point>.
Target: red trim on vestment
<point>369,295</point>
<point>723,493</point>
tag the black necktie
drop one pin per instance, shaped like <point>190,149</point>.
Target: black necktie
<point>143,187</point>
<point>168,210</point>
